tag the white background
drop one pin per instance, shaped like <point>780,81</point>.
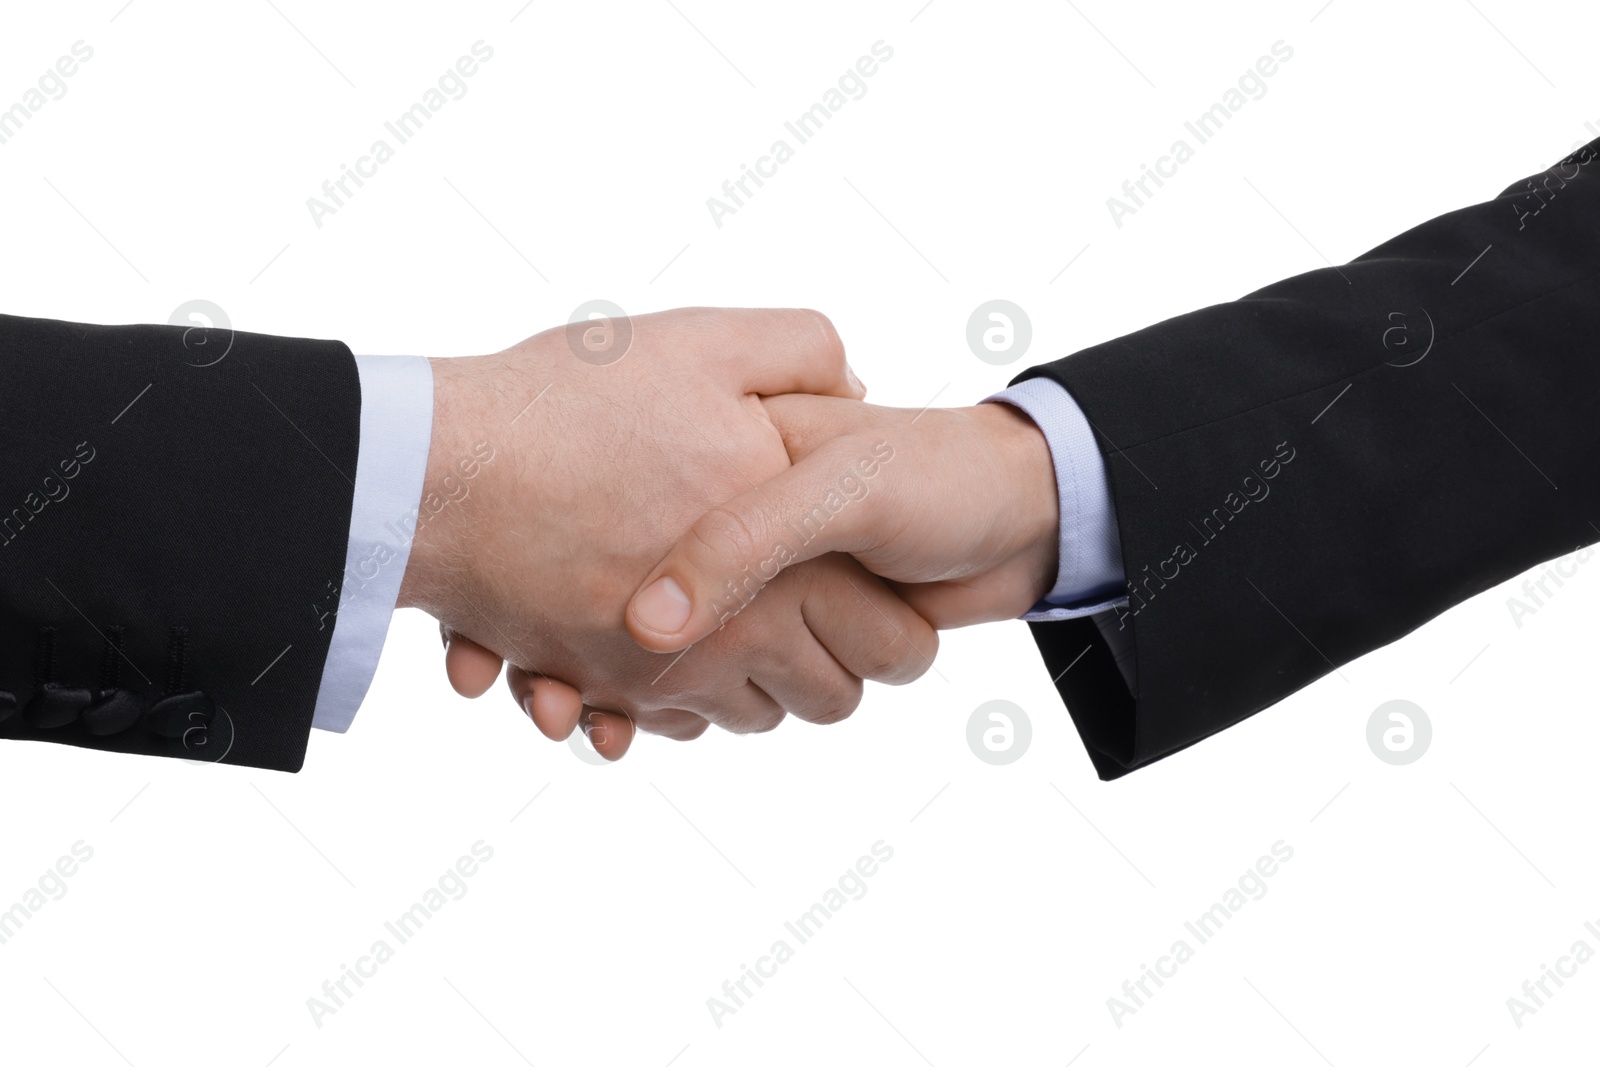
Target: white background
<point>1019,898</point>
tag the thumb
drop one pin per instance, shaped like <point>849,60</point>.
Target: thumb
<point>719,565</point>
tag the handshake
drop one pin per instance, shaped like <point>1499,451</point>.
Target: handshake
<point>703,523</point>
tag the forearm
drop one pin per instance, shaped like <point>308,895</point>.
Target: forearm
<point>435,571</point>
<point>158,565</point>
<point>1297,484</point>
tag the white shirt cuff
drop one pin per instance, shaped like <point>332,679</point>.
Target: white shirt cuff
<point>1089,578</point>
<point>396,431</point>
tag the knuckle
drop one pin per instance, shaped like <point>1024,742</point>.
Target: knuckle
<point>727,535</point>
<point>896,659</point>
<point>746,720</point>
<point>839,705</point>
<point>690,730</point>
<point>888,657</point>
<point>676,724</point>
<point>825,329</point>
<point>924,649</point>
<point>764,722</point>
<point>653,721</point>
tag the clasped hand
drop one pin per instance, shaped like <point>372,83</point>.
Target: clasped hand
<point>715,528</point>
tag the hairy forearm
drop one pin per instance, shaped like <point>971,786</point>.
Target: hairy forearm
<point>460,447</point>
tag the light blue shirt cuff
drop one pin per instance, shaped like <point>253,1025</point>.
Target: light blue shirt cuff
<point>1090,577</point>
<point>396,431</point>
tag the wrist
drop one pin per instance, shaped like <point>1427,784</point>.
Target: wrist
<point>1030,506</point>
<point>435,577</point>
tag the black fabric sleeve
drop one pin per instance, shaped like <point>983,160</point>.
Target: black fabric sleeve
<point>174,516</point>
<point>1313,471</point>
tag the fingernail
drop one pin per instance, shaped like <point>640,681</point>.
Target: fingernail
<point>663,606</point>
<point>527,706</point>
<point>855,383</point>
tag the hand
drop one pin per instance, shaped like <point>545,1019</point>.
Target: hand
<point>593,471</point>
<point>960,501</point>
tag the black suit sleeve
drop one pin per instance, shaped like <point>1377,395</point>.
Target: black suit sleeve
<point>1315,470</point>
<point>174,514</point>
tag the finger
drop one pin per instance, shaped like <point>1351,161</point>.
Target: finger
<point>789,350</point>
<point>812,684</point>
<point>743,711</point>
<point>470,667</point>
<point>871,632</point>
<point>554,706</point>
<point>610,732</point>
<point>808,422</point>
<point>790,666</point>
<point>722,562</point>
<point>745,707</point>
<point>674,723</point>
<point>746,710</point>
